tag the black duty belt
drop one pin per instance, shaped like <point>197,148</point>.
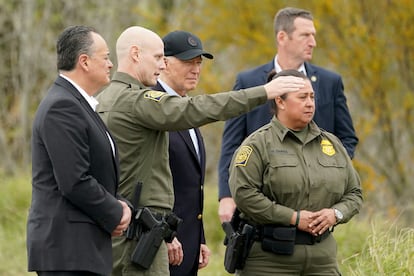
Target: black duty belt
<point>306,238</point>
<point>301,237</point>
<point>160,213</point>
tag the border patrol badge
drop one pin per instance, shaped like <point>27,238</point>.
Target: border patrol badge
<point>327,147</point>
<point>154,95</point>
<point>243,156</point>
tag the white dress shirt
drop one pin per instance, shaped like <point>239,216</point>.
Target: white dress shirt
<point>92,102</point>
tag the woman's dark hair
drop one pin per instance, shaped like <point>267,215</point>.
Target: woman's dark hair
<point>272,75</point>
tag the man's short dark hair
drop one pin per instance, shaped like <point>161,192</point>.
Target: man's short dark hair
<point>284,19</point>
<point>73,42</point>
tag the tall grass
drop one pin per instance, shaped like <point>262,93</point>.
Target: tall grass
<point>388,250</point>
<point>365,247</point>
<point>15,196</point>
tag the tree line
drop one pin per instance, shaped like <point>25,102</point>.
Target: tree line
<point>370,43</point>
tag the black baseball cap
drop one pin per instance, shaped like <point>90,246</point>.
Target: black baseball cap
<point>184,45</point>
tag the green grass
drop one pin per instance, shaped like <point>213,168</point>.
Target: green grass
<point>388,250</point>
<point>15,197</point>
<point>365,246</point>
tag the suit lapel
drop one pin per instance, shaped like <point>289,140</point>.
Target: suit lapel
<point>95,117</point>
<point>266,70</point>
<point>185,134</point>
<point>105,132</point>
<point>201,149</point>
<point>314,78</point>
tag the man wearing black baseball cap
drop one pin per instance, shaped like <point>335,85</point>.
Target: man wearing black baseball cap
<point>184,46</point>
<point>183,57</point>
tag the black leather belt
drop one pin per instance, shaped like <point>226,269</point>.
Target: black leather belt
<point>301,237</point>
<point>306,238</point>
<point>159,213</point>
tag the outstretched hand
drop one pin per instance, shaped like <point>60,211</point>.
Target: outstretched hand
<point>282,85</point>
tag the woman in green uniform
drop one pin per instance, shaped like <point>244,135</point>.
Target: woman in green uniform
<point>294,182</point>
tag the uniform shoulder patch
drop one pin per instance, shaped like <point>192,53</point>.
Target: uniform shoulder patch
<point>327,147</point>
<point>242,156</point>
<point>154,95</point>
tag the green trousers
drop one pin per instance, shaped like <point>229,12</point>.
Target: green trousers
<point>317,260</point>
<point>122,250</point>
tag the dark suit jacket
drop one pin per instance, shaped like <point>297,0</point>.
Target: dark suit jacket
<point>188,178</point>
<point>74,181</point>
<point>331,114</point>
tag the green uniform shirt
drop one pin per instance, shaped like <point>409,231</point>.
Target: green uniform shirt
<point>273,173</point>
<point>139,118</point>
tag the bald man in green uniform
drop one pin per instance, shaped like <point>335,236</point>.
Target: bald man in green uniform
<point>293,179</point>
<point>139,119</point>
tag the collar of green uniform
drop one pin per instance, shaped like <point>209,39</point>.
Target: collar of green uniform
<point>127,79</point>
<point>282,131</point>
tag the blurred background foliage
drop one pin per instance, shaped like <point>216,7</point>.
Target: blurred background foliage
<point>370,43</point>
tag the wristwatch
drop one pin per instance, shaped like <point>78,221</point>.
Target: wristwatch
<point>338,215</point>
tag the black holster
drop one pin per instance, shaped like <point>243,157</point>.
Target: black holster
<point>238,241</point>
<point>238,246</point>
<point>154,230</point>
<point>147,247</point>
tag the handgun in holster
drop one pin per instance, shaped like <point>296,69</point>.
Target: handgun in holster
<point>151,238</point>
<point>150,231</point>
<point>133,228</point>
<point>238,241</point>
<point>154,232</point>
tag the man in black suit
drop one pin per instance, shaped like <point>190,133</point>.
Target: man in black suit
<point>183,57</point>
<point>74,210</point>
<point>295,39</point>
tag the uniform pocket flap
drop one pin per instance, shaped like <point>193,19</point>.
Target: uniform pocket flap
<point>283,161</point>
<point>280,233</point>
